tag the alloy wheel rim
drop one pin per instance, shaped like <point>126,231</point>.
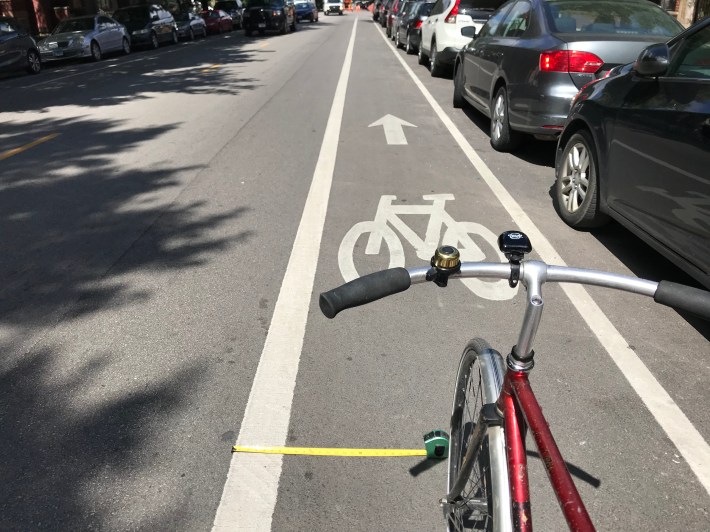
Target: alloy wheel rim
<point>498,117</point>
<point>34,62</point>
<point>575,177</point>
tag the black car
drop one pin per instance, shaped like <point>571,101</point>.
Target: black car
<point>233,8</point>
<point>189,25</point>
<point>18,50</point>
<point>532,56</point>
<point>149,25</point>
<point>263,15</point>
<point>409,30</point>
<point>636,148</point>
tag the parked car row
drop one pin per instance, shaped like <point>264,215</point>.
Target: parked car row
<point>619,84</point>
<point>94,36</point>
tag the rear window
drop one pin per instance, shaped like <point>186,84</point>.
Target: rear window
<point>424,9</point>
<point>481,5</point>
<point>607,16</point>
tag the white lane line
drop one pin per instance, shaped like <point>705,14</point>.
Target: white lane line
<point>670,417</point>
<point>249,495</point>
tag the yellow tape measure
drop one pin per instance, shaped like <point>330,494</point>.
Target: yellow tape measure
<point>324,451</point>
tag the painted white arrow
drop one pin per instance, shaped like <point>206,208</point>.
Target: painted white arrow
<point>394,128</point>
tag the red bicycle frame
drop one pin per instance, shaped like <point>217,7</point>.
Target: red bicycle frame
<point>520,411</point>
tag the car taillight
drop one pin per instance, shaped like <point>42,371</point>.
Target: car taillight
<point>276,13</point>
<point>451,17</point>
<point>570,61</point>
<point>417,24</point>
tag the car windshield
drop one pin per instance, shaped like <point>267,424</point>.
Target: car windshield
<point>265,3</point>
<point>480,5</point>
<point>133,14</point>
<point>6,27</point>
<point>609,16</point>
<point>75,24</point>
<point>181,16</point>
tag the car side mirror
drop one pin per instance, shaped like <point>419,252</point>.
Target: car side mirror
<point>469,31</point>
<point>653,61</point>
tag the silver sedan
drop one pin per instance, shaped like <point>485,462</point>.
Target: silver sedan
<point>91,36</point>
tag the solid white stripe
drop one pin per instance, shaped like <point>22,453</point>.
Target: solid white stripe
<point>669,416</point>
<point>249,495</point>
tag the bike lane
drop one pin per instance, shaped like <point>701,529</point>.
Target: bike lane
<point>381,376</point>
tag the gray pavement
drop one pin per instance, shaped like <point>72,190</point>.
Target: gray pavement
<point>143,250</point>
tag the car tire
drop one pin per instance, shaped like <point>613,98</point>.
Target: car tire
<point>191,35</point>
<point>408,47</point>
<point>397,43</point>
<point>577,183</point>
<point>176,39</point>
<point>261,31</point>
<point>154,43</point>
<point>247,33</point>
<point>125,46</point>
<point>458,100</point>
<point>421,57</point>
<point>294,25</point>
<point>435,67</point>
<point>34,62</point>
<point>503,138</point>
<point>95,51</point>
<point>284,28</point>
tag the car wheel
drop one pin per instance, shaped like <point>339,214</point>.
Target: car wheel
<point>397,43</point>
<point>408,46</point>
<point>435,68</point>
<point>422,58</point>
<point>502,137</point>
<point>261,31</point>
<point>191,35</point>
<point>459,82</point>
<point>577,183</point>
<point>284,27</point>
<point>34,63</point>
<point>125,46</point>
<point>95,51</point>
<point>294,26</point>
<point>154,41</point>
<point>175,37</point>
<point>247,33</point>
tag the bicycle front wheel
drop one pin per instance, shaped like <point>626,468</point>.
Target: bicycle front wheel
<point>478,488</point>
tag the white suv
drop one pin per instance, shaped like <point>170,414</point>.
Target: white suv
<point>441,32</point>
<point>331,7</point>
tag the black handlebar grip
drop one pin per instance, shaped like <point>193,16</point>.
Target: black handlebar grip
<point>364,290</point>
<point>683,297</point>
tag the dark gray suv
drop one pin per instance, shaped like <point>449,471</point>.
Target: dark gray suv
<point>18,50</point>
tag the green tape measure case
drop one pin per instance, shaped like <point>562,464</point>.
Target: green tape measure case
<point>436,443</point>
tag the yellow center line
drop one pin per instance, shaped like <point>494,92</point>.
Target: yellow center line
<point>211,67</point>
<point>324,451</point>
<point>32,144</point>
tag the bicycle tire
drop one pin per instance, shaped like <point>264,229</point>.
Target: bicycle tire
<point>483,502</point>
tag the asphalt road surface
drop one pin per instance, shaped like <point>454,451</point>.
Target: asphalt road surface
<point>167,221</point>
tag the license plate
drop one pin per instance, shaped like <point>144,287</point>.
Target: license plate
<point>261,25</point>
<point>58,53</point>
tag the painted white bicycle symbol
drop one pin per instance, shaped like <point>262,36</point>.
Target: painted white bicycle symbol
<point>457,234</point>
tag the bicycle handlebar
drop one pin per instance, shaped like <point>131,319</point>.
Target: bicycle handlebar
<point>389,282</point>
<point>364,290</point>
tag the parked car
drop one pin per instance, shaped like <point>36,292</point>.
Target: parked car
<point>149,25</point>
<point>234,9</point>
<point>333,7</point>
<point>636,148</point>
<point>441,34</point>
<point>189,25</point>
<point>391,15</point>
<point>263,15</point>
<point>91,36</point>
<point>217,21</point>
<point>384,11</point>
<point>397,18</point>
<point>306,10</point>
<point>527,63</point>
<point>17,49</point>
<point>409,30</point>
